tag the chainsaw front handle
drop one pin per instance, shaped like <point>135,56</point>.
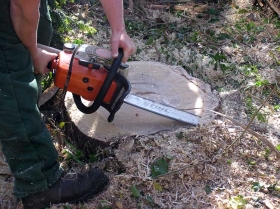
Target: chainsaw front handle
<point>112,107</point>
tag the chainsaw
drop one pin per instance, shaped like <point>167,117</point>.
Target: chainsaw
<point>90,73</point>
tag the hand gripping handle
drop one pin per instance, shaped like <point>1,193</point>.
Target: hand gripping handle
<point>103,90</point>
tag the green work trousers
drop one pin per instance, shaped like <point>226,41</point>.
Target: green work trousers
<point>26,142</point>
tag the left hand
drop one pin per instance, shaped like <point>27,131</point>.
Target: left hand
<point>41,59</point>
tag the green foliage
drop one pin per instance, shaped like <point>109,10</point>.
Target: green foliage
<point>61,22</point>
<point>249,70</point>
<point>218,57</point>
<point>277,24</point>
<point>213,11</point>
<point>159,167</point>
<point>87,28</point>
<point>72,153</point>
<point>256,186</point>
<point>150,41</point>
<point>58,4</point>
<point>261,117</point>
<point>248,30</point>
<point>78,41</point>
<point>273,187</point>
<point>249,104</point>
<point>229,161</point>
<point>208,189</point>
<point>238,202</point>
<point>180,135</point>
<point>260,82</point>
<point>61,125</point>
<point>242,11</point>
<point>214,15</point>
<point>104,204</point>
<point>93,158</point>
<point>135,192</point>
<point>251,163</point>
<point>157,187</point>
<point>266,154</point>
<point>223,36</point>
<point>276,107</point>
<point>150,199</point>
<point>134,26</point>
<point>46,82</point>
<point>195,37</point>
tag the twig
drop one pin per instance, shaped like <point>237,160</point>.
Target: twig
<point>156,6</point>
<point>267,104</point>
<point>263,139</point>
<point>58,135</point>
<point>170,2</point>
<point>131,6</point>
<point>274,7</point>
<point>252,119</point>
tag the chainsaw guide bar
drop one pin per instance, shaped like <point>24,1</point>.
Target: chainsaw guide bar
<point>160,109</point>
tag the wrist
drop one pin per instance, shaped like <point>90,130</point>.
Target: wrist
<point>118,30</point>
<point>118,27</point>
<point>34,51</point>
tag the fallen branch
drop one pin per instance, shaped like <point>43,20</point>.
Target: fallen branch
<point>274,7</point>
<point>260,137</point>
<point>169,2</point>
<point>254,97</point>
<point>253,117</point>
<point>58,135</point>
<point>156,6</point>
<point>131,6</point>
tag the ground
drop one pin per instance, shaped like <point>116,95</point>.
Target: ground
<point>235,48</point>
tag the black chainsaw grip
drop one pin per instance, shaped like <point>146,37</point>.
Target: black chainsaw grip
<point>49,66</point>
<point>103,90</point>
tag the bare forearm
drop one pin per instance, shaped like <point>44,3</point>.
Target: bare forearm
<point>114,13</point>
<point>25,17</point>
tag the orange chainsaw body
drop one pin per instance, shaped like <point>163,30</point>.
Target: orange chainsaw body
<point>89,72</point>
<point>83,80</point>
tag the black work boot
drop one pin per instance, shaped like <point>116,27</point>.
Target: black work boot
<point>78,188</point>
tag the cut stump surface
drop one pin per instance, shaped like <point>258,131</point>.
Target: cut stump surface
<point>169,85</point>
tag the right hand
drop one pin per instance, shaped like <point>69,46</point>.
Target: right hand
<point>122,40</point>
<point>41,58</point>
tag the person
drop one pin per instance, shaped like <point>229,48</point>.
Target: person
<point>26,142</point>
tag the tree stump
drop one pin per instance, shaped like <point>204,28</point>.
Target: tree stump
<point>169,85</point>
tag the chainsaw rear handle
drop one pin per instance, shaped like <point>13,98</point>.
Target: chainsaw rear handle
<point>103,90</point>
<point>123,89</point>
<point>49,66</point>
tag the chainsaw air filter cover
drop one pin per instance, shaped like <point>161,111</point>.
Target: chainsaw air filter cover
<point>89,71</point>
